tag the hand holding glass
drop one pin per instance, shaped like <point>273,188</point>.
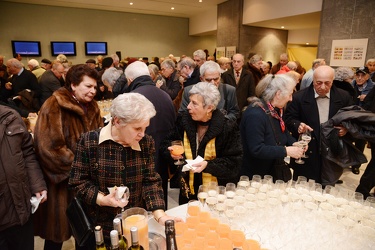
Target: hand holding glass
<point>177,149</point>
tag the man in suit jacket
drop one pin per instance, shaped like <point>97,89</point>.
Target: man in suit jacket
<point>22,80</point>
<point>189,71</point>
<point>309,108</point>
<point>51,80</point>
<point>241,79</point>
<point>210,72</point>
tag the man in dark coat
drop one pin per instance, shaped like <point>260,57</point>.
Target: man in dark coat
<point>241,79</point>
<point>51,80</point>
<point>367,181</point>
<point>309,108</point>
<point>189,70</point>
<point>139,81</point>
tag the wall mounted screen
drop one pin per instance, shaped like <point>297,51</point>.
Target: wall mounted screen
<point>66,48</point>
<point>26,48</point>
<point>96,48</point>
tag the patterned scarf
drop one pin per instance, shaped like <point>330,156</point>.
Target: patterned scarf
<point>276,115</point>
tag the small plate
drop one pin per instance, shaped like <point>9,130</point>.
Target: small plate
<point>156,241</point>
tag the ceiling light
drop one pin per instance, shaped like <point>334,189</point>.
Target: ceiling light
<point>282,27</point>
<point>172,8</point>
<point>307,43</point>
<point>200,1</point>
<point>131,3</point>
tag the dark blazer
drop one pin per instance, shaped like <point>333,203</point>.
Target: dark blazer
<point>194,78</point>
<point>49,83</point>
<point>26,80</point>
<point>172,85</point>
<point>303,108</point>
<point>245,87</point>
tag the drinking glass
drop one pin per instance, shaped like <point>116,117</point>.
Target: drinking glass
<point>306,136</point>
<point>230,190</point>
<point>202,194</point>
<point>193,208</point>
<point>302,144</point>
<point>213,189</point>
<point>177,149</point>
<point>244,182</point>
<point>221,194</point>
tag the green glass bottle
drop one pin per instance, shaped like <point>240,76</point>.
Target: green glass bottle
<point>122,242</point>
<point>99,238</point>
<point>134,239</point>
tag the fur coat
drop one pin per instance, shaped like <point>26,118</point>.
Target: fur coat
<point>60,123</point>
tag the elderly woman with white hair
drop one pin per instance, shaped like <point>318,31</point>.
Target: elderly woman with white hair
<point>265,139</point>
<point>119,153</point>
<point>205,132</point>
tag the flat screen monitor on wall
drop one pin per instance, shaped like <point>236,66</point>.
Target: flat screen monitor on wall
<point>66,48</point>
<point>96,48</point>
<point>26,48</point>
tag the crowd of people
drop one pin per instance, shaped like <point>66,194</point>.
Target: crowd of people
<point>242,117</point>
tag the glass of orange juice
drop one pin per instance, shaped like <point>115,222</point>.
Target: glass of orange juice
<point>177,149</point>
<point>136,217</point>
<point>193,208</point>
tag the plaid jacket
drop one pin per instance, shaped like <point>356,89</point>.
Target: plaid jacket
<point>96,167</point>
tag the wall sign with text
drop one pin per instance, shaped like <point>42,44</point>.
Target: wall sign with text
<point>349,52</point>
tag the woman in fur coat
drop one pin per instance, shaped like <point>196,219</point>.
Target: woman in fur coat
<point>68,113</point>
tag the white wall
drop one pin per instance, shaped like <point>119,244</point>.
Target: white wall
<point>204,22</point>
<point>135,35</point>
<point>257,11</point>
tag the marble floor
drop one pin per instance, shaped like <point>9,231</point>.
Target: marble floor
<point>350,182</point>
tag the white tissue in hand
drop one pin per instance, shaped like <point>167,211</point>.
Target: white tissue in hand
<point>120,191</point>
<point>190,163</point>
<point>35,203</point>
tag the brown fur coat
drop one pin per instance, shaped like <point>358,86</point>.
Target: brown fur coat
<point>60,123</point>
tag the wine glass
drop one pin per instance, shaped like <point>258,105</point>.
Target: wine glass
<point>202,194</point>
<point>306,136</point>
<point>177,149</point>
<point>302,144</point>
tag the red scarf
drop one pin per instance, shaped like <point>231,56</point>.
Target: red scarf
<point>276,115</point>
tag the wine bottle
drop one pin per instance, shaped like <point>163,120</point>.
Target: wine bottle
<point>122,242</point>
<point>134,239</point>
<point>170,234</point>
<point>114,240</point>
<point>99,238</point>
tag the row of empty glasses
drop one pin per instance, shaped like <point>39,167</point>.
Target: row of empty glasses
<point>295,215</point>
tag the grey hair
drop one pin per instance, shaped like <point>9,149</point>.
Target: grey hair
<point>292,65</point>
<point>210,67</point>
<point>33,63</point>
<point>270,84</point>
<point>62,58</point>
<point>200,53</point>
<point>136,69</point>
<point>255,58</point>
<point>15,63</point>
<point>115,58</point>
<point>111,75</point>
<point>343,73</point>
<point>154,68</point>
<point>132,107</point>
<point>209,92</point>
<point>371,60</point>
<point>169,63</point>
<point>284,55</point>
<point>187,61</point>
<point>317,62</point>
<point>223,60</point>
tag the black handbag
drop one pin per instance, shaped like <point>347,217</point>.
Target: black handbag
<point>81,225</point>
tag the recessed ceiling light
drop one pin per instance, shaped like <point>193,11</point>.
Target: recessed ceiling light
<point>131,3</point>
<point>172,8</point>
<point>200,1</point>
<point>282,27</point>
<point>307,43</point>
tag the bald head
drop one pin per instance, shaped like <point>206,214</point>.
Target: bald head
<point>323,78</point>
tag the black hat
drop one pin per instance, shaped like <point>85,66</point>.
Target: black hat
<point>363,70</point>
<point>107,62</point>
<point>45,60</point>
<point>90,61</point>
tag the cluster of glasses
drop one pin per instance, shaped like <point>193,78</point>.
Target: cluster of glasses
<point>104,106</point>
<point>293,215</point>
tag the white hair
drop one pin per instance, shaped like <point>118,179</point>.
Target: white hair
<point>33,63</point>
<point>110,75</point>
<point>136,69</point>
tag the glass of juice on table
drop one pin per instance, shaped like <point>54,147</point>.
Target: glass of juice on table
<point>136,217</point>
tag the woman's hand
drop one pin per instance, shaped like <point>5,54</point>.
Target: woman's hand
<point>294,152</point>
<point>200,166</point>
<point>110,200</point>
<point>303,127</point>
<point>175,157</point>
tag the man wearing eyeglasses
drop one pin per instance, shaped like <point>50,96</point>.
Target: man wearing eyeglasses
<point>210,72</point>
<point>189,70</point>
